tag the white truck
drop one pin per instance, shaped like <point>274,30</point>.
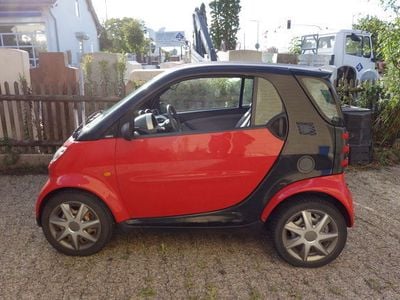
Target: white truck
<point>346,53</point>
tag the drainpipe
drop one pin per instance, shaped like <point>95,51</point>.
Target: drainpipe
<point>56,29</point>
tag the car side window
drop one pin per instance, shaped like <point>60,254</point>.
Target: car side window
<point>268,103</point>
<point>323,98</point>
<point>197,105</point>
<point>353,45</point>
<point>247,92</point>
<point>206,93</point>
<point>366,47</point>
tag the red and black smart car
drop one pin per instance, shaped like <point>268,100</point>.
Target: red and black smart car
<point>207,146</point>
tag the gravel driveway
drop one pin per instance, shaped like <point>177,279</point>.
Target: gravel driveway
<point>201,264</point>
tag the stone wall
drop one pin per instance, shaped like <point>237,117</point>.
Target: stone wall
<point>53,72</point>
<point>14,67</point>
<point>104,70</point>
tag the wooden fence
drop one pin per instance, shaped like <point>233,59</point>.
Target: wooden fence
<point>41,119</point>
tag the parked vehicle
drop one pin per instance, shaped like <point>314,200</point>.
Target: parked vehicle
<point>208,145</point>
<point>347,53</point>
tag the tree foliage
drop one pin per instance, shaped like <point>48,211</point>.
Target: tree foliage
<point>295,45</point>
<point>224,23</point>
<point>374,26</point>
<point>389,118</point>
<point>387,39</point>
<point>124,36</point>
<point>392,5</point>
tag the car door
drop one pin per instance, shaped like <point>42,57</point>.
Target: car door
<point>197,171</point>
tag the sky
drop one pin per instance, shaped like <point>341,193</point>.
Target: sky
<point>307,16</point>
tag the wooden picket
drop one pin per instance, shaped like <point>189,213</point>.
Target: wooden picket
<point>40,119</point>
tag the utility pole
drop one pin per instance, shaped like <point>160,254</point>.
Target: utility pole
<point>257,45</point>
<point>105,4</point>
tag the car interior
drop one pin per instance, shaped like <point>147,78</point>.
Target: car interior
<point>220,104</point>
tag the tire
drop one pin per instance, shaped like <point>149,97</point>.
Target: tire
<point>76,223</point>
<point>308,232</point>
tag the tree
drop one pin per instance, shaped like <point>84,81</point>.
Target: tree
<point>391,5</point>
<point>387,123</point>
<point>124,36</point>
<point>295,45</point>
<point>224,23</point>
<point>389,120</point>
<point>374,26</point>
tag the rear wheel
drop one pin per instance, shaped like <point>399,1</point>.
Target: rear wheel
<point>76,223</point>
<point>309,232</point>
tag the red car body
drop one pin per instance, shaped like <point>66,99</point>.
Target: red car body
<point>100,177</point>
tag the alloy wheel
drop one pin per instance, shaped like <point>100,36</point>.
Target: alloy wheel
<point>310,235</point>
<point>74,225</point>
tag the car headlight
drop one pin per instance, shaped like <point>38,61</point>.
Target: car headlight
<point>58,153</point>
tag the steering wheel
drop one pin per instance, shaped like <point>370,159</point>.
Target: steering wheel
<point>173,118</point>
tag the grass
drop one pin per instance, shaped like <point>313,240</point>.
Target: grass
<point>254,294</point>
<point>386,156</point>
<point>147,292</point>
<point>212,292</point>
<point>373,284</point>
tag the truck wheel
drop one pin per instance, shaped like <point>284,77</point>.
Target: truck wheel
<point>308,232</point>
<point>76,223</point>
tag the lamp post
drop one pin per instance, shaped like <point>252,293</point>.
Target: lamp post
<point>105,4</point>
<point>257,45</point>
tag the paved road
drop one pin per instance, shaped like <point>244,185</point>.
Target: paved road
<point>201,264</point>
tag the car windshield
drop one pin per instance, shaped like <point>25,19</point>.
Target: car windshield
<point>103,114</point>
<point>131,95</point>
<point>313,44</point>
<point>326,44</point>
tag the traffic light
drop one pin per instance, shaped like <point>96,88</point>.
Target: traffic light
<point>289,24</point>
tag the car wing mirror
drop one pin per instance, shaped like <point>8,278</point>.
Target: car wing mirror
<point>127,131</point>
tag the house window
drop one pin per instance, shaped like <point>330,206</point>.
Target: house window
<point>77,11</point>
<point>29,37</point>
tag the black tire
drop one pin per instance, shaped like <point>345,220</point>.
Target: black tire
<point>76,223</point>
<point>292,235</point>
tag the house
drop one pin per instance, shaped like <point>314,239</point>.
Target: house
<point>35,26</point>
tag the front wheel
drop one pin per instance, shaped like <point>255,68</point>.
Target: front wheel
<point>309,232</point>
<point>76,223</point>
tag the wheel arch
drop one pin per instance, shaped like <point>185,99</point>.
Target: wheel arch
<point>61,190</point>
<point>329,198</point>
<point>347,72</point>
<point>332,188</point>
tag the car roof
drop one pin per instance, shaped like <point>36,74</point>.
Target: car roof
<point>255,66</point>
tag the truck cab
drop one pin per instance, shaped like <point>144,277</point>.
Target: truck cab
<point>347,53</point>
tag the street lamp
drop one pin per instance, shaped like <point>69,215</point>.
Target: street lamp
<point>257,45</point>
<point>105,4</point>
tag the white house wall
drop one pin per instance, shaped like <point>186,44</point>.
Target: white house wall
<point>68,24</point>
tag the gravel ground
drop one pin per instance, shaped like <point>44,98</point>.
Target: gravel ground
<point>201,264</point>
